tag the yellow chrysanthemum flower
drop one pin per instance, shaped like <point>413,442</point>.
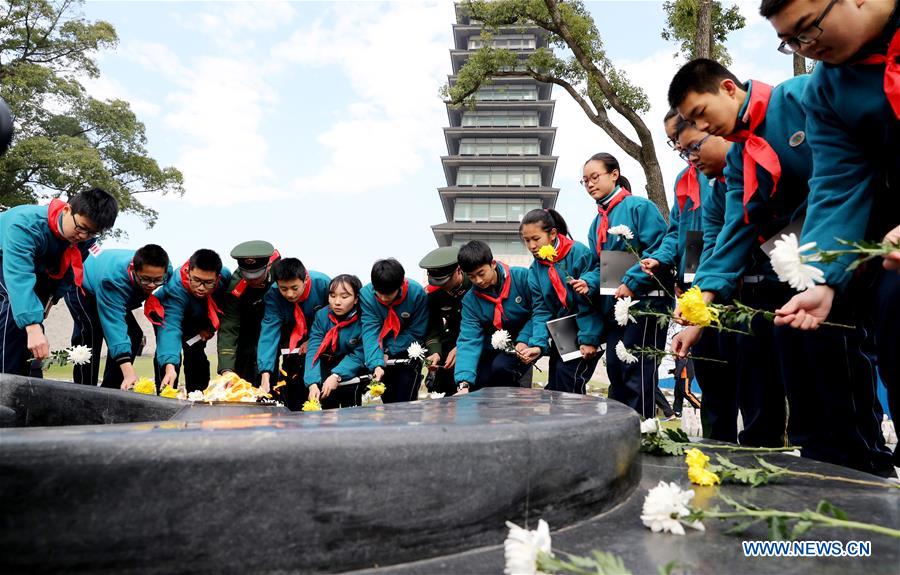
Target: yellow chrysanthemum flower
<point>169,391</point>
<point>696,458</point>
<point>694,310</point>
<point>145,385</point>
<point>312,405</point>
<point>547,252</point>
<point>376,389</point>
<point>700,476</point>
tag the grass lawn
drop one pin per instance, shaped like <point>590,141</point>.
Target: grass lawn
<point>143,366</point>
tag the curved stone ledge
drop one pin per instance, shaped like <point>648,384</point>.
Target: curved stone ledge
<point>309,492</point>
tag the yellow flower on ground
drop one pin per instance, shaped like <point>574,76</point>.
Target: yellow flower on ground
<point>694,457</point>
<point>311,405</point>
<point>145,385</point>
<point>701,476</point>
<point>376,389</point>
<point>694,310</point>
<point>169,391</point>
<point>547,252</point>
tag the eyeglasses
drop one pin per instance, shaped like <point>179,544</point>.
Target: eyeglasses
<point>593,178</point>
<point>149,281</point>
<point>83,230</point>
<point>693,149</point>
<point>808,35</point>
<point>203,283</point>
<point>672,144</point>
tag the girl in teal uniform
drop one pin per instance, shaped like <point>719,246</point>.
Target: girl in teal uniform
<point>553,296</point>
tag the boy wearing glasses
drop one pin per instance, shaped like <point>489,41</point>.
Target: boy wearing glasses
<point>115,283</point>
<point>191,300</point>
<point>853,126</point>
<point>42,250</point>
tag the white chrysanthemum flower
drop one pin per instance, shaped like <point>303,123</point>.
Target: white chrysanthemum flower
<point>435,395</point>
<point>196,396</point>
<point>522,546</point>
<point>500,340</point>
<point>623,354</point>
<point>650,426</point>
<point>369,399</point>
<point>79,354</point>
<point>415,351</point>
<point>622,230</point>
<point>664,508</point>
<point>789,262</point>
<point>623,305</point>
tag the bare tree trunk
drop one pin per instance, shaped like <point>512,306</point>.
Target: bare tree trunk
<point>799,65</point>
<point>703,40</point>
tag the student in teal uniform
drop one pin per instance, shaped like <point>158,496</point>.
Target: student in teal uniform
<point>394,316</point>
<point>192,301</point>
<point>853,127</point>
<point>634,384</point>
<point>335,351</point>
<point>553,296</point>
<point>42,250</point>
<point>500,299</point>
<point>830,383</point>
<point>115,283</point>
<point>290,308</point>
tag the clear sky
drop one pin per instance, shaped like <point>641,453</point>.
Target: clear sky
<point>317,125</point>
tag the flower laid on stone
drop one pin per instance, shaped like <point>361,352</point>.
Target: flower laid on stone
<point>79,354</point>
<point>694,310</point>
<point>767,472</point>
<point>697,463</point>
<point>790,263</point>
<point>666,509</point>
<point>436,395</point>
<point>144,385</point>
<point>230,388</point>
<point>311,405</point>
<point>523,548</point>
<point>622,310</point>
<point>623,354</point>
<point>548,253</point>
<point>195,396</point>
<point>650,426</point>
<point>622,230</point>
<point>169,391</point>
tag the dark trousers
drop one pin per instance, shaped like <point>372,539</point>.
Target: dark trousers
<point>401,382</point>
<point>14,355</point>
<point>717,381</point>
<point>663,403</point>
<point>887,341</point>
<point>441,380</point>
<point>683,392</point>
<point>569,376</point>
<point>635,384</point>
<point>193,357</point>
<point>498,369</point>
<point>294,392</point>
<point>88,331</point>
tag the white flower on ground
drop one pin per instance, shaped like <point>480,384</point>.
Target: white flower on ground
<point>522,546</point>
<point>622,230</point>
<point>623,354</point>
<point>789,262</point>
<point>664,508</point>
<point>500,339</point>
<point>650,426</point>
<point>416,351</point>
<point>435,395</point>
<point>196,396</point>
<point>621,310</point>
<point>79,354</point>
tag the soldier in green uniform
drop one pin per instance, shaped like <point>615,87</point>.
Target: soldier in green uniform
<point>243,308</point>
<point>446,287</point>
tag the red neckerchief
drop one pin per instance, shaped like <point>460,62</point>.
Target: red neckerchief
<point>603,225</point>
<point>238,290</point>
<point>152,305</point>
<point>498,301</point>
<point>392,321</point>
<point>299,331</point>
<point>565,244</point>
<point>212,310</point>
<point>756,149</point>
<point>891,60</point>
<point>333,335</point>
<point>71,257</point>
<point>688,186</point>
<point>431,289</point>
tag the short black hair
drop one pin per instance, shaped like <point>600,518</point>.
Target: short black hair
<point>548,219</point>
<point>681,125</point>
<point>473,255</point>
<point>670,114</point>
<point>150,255</point>
<point>288,269</point>
<point>97,205</point>
<point>769,8</point>
<point>387,276</point>
<point>702,76</point>
<point>206,260</point>
<point>611,163</point>
<point>346,280</point>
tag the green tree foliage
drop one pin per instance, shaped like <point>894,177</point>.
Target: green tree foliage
<point>681,27</point>
<point>66,140</point>
<point>575,60</point>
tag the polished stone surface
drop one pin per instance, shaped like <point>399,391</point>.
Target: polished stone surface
<point>308,492</point>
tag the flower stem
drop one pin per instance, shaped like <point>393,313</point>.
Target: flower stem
<point>816,517</point>
<point>743,448</point>
<point>834,478</point>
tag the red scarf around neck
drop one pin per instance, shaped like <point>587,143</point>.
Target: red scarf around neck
<point>238,290</point>
<point>688,186</point>
<point>891,60</point>
<point>71,257</point>
<point>332,336</point>
<point>392,321</point>
<point>498,301</point>
<point>299,331</point>
<point>153,308</point>
<point>603,224</point>
<point>757,150</point>
<point>212,310</point>
<point>562,250</point>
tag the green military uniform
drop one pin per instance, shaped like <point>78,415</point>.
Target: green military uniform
<point>444,313</point>
<point>243,308</point>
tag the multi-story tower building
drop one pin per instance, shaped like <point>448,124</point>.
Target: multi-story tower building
<point>499,162</point>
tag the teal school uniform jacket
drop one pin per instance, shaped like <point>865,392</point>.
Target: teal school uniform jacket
<point>28,247</point>
<point>413,315</point>
<point>349,360</point>
<point>477,325</point>
<point>681,221</point>
<point>280,312</point>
